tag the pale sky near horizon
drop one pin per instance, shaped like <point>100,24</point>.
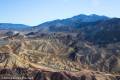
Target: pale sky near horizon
<point>34,12</point>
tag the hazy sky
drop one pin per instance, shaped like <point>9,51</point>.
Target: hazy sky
<point>34,12</point>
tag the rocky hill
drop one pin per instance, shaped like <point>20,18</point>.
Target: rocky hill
<point>57,56</point>
<point>10,26</point>
<point>78,48</point>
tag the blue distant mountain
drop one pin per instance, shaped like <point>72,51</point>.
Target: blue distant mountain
<point>58,25</point>
<point>10,26</point>
<point>88,18</point>
<point>71,23</point>
<point>97,29</point>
